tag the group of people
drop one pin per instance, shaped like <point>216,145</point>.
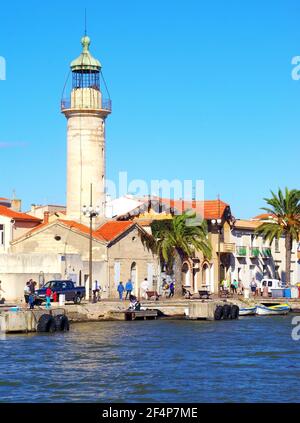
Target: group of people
<point>144,288</point>
<point>237,287</point>
<point>128,288</point>
<point>29,293</point>
<point>168,288</point>
<point>30,296</point>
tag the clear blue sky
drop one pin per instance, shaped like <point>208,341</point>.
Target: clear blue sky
<point>200,90</point>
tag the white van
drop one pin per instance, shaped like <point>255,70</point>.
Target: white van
<point>271,284</point>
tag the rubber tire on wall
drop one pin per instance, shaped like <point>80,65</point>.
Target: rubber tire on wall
<point>234,312</point>
<point>46,323</point>
<point>77,299</point>
<point>62,322</point>
<point>226,311</point>
<point>51,326</point>
<point>218,312</point>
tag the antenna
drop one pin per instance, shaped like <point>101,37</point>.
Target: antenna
<point>85,21</point>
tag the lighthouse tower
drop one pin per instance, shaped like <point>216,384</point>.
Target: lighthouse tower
<point>86,111</point>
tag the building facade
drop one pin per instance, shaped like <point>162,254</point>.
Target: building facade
<point>256,258</point>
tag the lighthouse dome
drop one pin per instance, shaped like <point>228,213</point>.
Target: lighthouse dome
<point>85,62</point>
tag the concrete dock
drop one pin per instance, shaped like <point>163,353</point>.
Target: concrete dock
<point>26,320</point>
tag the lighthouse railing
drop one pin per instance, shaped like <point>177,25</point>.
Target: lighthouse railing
<point>65,104</point>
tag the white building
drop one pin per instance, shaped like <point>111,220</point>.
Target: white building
<point>256,258</point>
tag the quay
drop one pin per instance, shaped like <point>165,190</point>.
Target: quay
<point>25,320</point>
<point>15,319</point>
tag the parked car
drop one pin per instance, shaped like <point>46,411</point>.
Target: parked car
<point>271,284</point>
<point>68,288</point>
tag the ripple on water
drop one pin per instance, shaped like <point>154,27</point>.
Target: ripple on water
<point>155,361</point>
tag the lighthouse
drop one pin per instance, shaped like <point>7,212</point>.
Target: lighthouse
<point>86,111</point>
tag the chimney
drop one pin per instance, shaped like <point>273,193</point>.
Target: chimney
<point>16,204</point>
<point>46,217</point>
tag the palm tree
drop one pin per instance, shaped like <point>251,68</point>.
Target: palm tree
<point>284,220</point>
<point>179,238</point>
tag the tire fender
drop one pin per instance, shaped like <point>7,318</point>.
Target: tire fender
<point>234,312</point>
<point>218,312</point>
<point>62,322</point>
<point>46,323</point>
<point>226,311</point>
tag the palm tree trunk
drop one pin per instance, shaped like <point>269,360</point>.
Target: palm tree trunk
<point>178,275</point>
<point>288,254</point>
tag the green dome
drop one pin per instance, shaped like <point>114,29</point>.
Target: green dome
<point>85,61</point>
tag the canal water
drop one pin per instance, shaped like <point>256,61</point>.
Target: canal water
<point>253,359</point>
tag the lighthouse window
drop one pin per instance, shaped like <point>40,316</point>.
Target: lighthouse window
<point>86,80</point>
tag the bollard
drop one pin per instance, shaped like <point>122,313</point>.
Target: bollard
<point>246,293</point>
<point>62,300</point>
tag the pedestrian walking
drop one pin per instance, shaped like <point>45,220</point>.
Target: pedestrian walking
<point>48,297</point>
<point>172,289</point>
<point>234,286</point>
<point>240,287</point>
<point>121,290</point>
<point>144,288</point>
<point>128,288</point>
<point>253,286</point>
<point>96,291</point>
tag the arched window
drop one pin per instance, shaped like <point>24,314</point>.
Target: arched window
<point>186,275</point>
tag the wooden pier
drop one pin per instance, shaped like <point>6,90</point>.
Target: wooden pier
<point>141,314</point>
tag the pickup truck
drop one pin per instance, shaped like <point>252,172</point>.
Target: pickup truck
<point>66,287</point>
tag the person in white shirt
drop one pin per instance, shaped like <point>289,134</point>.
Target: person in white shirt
<point>27,292</point>
<point>96,291</point>
<point>144,288</point>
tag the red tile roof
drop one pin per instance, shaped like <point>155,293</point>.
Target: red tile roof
<point>263,216</point>
<point>112,229</point>
<point>81,228</point>
<point>5,211</point>
<point>107,232</point>
<point>212,209</point>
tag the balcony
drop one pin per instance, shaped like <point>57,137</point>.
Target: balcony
<point>254,252</point>
<point>226,247</point>
<point>241,251</point>
<point>65,104</point>
<point>266,252</point>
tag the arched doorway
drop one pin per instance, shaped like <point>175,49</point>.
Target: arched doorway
<point>186,275</point>
<point>133,277</point>
<point>206,276</point>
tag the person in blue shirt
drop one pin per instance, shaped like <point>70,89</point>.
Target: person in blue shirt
<point>120,290</point>
<point>128,289</point>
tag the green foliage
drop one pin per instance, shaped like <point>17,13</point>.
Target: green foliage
<point>284,221</point>
<point>284,209</point>
<point>180,235</point>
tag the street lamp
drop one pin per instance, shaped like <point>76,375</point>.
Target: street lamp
<point>218,223</point>
<point>91,212</point>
